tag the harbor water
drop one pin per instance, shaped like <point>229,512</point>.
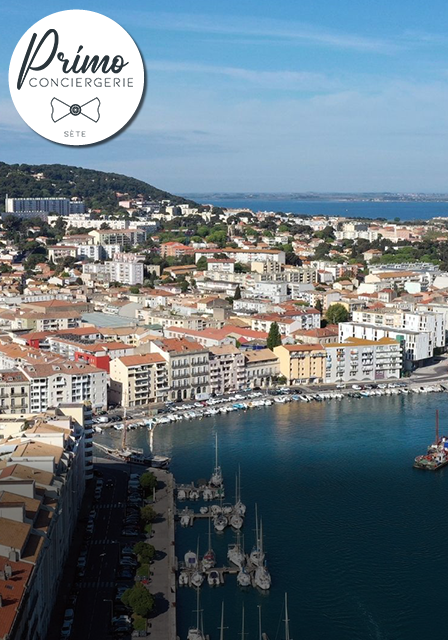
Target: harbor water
<point>352,531</point>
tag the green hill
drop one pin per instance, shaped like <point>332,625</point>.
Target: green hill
<point>97,188</point>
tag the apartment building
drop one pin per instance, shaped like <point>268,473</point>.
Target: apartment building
<point>358,360</point>
<point>35,206</point>
<point>262,368</point>
<point>301,363</point>
<point>42,321</point>
<point>227,369</point>
<point>122,237</point>
<point>95,352</point>
<point>42,481</point>
<point>14,392</point>
<point>188,367</point>
<point>129,273</point>
<point>139,380</point>
<point>416,346</point>
<point>64,382</point>
<point>246,256</point>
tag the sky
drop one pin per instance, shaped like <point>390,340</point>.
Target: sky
<point>263,96</point>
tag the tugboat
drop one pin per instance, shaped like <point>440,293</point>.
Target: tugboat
<point>437,455</point>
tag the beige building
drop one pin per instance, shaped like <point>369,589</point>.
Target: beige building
<point>138,380</point>
<point>123,237</point>
<point>14,392</point>
<point>262,367</point>
<point>302,363</point>
<point>188,367</point>
<point>227,369</point>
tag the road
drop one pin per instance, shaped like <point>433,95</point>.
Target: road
<point>97,587</point>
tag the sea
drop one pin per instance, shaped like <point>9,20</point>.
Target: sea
<point>389,210</point>
<point>353,533</point>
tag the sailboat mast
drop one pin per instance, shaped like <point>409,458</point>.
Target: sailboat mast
<point>261,536</point>
<point>257,543</point>
<point>259,623</point>
<point>197,608</point>
<point>221,634</point>
<point>286,618</point>
<point>216,450</point>
<point>437,426</point>
<point>209,534</point>
<point>242,626</point>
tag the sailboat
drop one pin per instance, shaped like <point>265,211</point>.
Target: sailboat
<point>239,508</point>
<point>262,576</point>
<point>237,518</point>
<point>243,578</point>
<point>196,633</point>
<point>257,555</point>
<point>198,577</point>
<point>191,560</point>
<point>236,554</point>
<point>209,559</point>
<point>216,480</point>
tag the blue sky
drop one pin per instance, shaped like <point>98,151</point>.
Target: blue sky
<point>306,95</point>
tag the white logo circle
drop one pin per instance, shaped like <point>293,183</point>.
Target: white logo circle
<point>76,77</point>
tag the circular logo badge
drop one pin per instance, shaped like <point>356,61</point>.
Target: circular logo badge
<point>76,77</point>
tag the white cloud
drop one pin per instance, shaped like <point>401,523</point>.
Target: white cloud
<point>260,28</point>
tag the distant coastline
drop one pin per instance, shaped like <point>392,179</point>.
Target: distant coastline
<point>353,206</point>
<point>322,197</point>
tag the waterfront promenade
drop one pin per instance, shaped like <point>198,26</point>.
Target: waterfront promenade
<point>163,581</point>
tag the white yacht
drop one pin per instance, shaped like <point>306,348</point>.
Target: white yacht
<point>235,553</point>
<point>220,523</point>
<point>236,521</point>
<point>213,578</point>
<point>262,578</point>
<point>183,579</point>
<point>243,578</point>
<point>197,579</point>
<point>191,560</point>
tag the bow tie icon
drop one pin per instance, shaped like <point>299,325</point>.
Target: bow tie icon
<point>89,109</point>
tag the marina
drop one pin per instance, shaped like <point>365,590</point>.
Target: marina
<point>350,465</point>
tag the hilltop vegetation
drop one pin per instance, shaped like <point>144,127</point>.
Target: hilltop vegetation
<point>97,188</point>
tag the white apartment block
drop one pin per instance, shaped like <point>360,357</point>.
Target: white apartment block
<point>358,360</point>
<point>130,273</point>
<point>416,345</point>
<point>420,321</point>
<point>62,382</point>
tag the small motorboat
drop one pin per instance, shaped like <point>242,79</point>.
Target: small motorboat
<point>213,578</point>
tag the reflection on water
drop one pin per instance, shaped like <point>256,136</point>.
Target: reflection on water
<point>353,533</point>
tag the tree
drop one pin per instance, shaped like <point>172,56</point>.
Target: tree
<point>184,286</point>
<point>318,305</point>
<point>139,599</point>
<point>147,513</point>
<point>144,551</point>
<point>134,290</point>
<point>148,481</point>
<point>336,313</point>
<point>274,337</point>
<point>202,263</point>
<point>237,295</point>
